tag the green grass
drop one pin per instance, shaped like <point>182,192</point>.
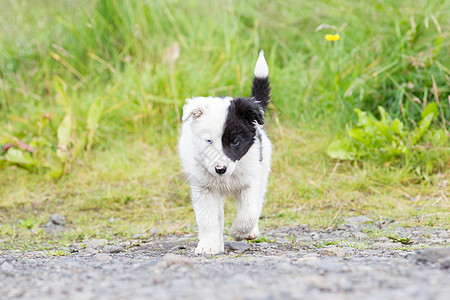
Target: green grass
<point>393,54</point>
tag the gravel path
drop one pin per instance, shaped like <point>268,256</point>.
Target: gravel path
<point>291,263</point>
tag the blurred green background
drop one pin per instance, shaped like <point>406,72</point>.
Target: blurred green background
<point>91,94</point>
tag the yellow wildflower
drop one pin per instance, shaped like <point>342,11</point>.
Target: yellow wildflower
<point>332,37</point>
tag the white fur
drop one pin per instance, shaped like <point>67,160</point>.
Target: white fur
<point>246,179</point>
<point>261,68</point>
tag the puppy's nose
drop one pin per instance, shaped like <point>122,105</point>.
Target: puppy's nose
<point>221,170</point>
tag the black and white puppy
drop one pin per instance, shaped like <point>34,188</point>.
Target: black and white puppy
<point>224,150</point>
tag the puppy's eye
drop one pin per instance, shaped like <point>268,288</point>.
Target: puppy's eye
<point>235,142</point>
<point>208,141</point>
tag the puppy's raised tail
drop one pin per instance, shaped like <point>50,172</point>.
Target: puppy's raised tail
<point>261,83</point>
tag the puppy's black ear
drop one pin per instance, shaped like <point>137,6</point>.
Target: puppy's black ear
<point>192,108</point>
<point>256,114</point>
<point>249,110</point>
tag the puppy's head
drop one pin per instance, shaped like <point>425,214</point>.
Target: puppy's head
<point>223,130</point>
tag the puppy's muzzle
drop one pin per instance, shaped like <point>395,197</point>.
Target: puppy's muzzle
<point>221,169</point>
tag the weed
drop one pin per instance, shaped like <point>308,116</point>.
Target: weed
<point>357,244</point>
<point>52,147</point>
<point>403,240</point>
<point>262,239</point>
<point>323,244</point>
<point>57,252</point>
<point>385,140</point>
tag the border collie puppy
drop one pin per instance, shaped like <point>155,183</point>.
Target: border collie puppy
<point>224,149</point>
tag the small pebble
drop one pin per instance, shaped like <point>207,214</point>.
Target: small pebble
<point>237,246</point>
<point>112,249</point>
<point>102,257</point>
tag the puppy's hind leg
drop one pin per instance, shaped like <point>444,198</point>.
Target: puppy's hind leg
<point>208,209</point>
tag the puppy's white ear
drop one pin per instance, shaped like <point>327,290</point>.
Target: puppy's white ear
<point>192,108</point>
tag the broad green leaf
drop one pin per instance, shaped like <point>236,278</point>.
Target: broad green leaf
<point>64,136</point>
<point>383,124</point>
<point>16,156</point>
<point>80,145</point>
<point>384,129</point>
<point>362,117</point>
<point>62,98</point>
<point>357,134</point>
<point>440,137</point>
<point>56,171</point>
<point>397,126</point>
<point>341,149</point>
<point>385,118</point>
<point>423,126</point>
<point>431,108</point>
<point>93,116</point>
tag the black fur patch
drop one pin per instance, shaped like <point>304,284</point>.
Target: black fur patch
<point>261,91</point>
<point>240,126</point>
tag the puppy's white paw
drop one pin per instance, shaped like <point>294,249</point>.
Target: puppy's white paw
<point>208,248</point>
<point>254,234</point>
<point>242,231</point>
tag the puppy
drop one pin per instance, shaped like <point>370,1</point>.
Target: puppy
<point>224,149</point>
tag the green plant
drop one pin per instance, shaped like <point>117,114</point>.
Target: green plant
<point>53,146</point>
<point>386,140</point>
<point>356,244</point>
<point>28,223</point>
<point>262,239</point>
<point>404,240</point>
<point>322,244</point>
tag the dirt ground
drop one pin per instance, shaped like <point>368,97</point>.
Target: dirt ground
<point>287,263</point>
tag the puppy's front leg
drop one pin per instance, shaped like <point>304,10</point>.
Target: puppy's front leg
<point>249,204</point>
<point>208,209</point>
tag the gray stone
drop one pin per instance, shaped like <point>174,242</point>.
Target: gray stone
<point>436,242</point>
<point>385,246</point>
<point>237,246</point>
<point>318,282</point>
<point>57,220</point>
<point>112,249</point>
<point>303,238</point>
<point>77,246</point>
<point>383,239</point>
<point>102,257</point>
<point>139,235</point>
<point>329,265</point>
<point>434,256</point>
<point>96,243</point>
<point>332,251</point>
<point>444,234</point>
<point>37,254</point>
<point>178,247</point>
<point>358,220</point>
<point>53,229</point>
<point>89,251</point>
<point>263,245</point>
<point>7,268</point>
<point>304,227</point>
<point>173,259</point>
<point>360,235</point>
